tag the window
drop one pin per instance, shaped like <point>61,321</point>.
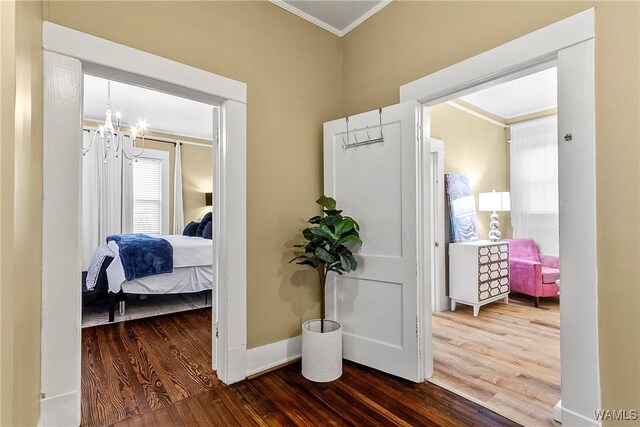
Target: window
<point>150,176</point>
<point>534,182</point>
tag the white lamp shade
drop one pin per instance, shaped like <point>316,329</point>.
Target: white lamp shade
<point>494,201</point>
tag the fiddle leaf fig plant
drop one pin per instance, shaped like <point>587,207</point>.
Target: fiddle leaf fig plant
<point>328,245</point>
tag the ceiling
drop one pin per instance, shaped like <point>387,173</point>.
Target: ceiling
<point>337,16</point>
<point>161,112</point>
<point>526,95</point>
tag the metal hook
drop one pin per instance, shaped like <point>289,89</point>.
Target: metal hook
<point>346,143</point>
<point>368,135</point>
<point>380,113</point>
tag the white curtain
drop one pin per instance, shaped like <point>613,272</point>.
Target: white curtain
<point>178,208</point>
<point>534,182</point>
<point>102,198</point>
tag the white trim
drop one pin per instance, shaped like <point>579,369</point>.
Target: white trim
<point>269,356</point>
<point>569,43</point>
<point>61,339</point>
<point>101,56</point>
<point>368,14</point>
<point>58,410</point>
<point>320,23</point>
<point>534,51</point>
<point>476,114</point>
<point>571,418</point>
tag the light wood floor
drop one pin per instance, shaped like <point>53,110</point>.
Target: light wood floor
<point>507,359</point>
<point>156,372</point>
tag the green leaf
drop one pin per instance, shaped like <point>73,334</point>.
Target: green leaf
<point>326,202</point>
<point>329,232</point>
<point>308,234</point>
<point>352,238</point>
<point>332,212</point>
<point>343,225</point>
<point>317,231</point>
<point>309,262</point>
<point>324,255</point>
<point>345,262</point>
<point>315,220</point>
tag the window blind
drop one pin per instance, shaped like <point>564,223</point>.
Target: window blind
<point>147,196</point>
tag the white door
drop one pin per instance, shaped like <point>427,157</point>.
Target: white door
<point>376,184</point>
<point>439,299</point>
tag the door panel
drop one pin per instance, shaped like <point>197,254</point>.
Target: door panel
<point>377,185</point>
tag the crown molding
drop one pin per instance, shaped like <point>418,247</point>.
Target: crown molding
<point>377,8</point>
<point>324,25</point>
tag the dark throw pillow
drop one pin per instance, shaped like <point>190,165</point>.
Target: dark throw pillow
<point>203,224</point>
<point>190,229</point>
<point>208,231</point>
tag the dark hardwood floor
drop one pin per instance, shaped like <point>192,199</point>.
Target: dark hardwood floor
<point>156,372</point>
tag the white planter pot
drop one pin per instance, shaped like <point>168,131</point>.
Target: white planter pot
<point>321,351</point>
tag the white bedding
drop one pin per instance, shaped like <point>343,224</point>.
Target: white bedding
<point>181,280</point>
<point>188,253</point>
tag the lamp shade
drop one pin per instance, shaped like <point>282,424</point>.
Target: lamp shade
<point>494,201</point>
<point>208,199</point>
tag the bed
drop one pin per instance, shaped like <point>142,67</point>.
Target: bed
<point>191,271</point>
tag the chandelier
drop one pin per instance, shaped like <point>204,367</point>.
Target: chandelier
<point>114,139</point>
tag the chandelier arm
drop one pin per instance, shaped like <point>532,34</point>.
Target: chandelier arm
<point>93,137</point>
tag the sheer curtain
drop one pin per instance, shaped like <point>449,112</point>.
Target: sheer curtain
<point>102,196</point>
<point>178,208</point>
<point>534,182</point>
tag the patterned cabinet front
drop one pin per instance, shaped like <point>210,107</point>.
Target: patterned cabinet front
<point>478,273</point>
<point>493,270</point>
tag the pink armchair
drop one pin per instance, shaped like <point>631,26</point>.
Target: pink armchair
<point>531,273</point>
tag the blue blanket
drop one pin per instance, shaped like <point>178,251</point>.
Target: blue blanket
<point>143,255</point>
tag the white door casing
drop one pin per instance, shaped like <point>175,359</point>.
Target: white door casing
<point>68,53</point>
<point>377,185</point>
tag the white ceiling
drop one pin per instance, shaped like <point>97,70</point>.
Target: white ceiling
<point>337,16</point>
<point>526,95</point>
<point>160,112</point>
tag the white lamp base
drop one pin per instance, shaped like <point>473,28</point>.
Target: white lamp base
<point>494,234</point>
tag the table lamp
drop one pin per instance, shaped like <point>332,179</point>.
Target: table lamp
<point>494,202</point>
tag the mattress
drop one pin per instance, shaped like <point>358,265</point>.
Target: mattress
<point>181,280</point>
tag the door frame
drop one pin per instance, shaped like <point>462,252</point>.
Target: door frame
<point>569,44</point>
<point>61,325</point>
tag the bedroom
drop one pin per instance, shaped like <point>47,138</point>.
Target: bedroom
<point>147,168</point>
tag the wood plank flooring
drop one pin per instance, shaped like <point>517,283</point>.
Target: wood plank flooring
<point>155,372</point>
<point>508,358</point>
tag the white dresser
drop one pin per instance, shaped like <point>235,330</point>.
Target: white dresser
<point>478,273</point>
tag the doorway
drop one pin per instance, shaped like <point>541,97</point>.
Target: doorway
<point>68,55</point>
<point>569,44</point>
<point>502,355</point>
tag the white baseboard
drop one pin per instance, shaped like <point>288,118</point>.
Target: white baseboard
<point>262,358</point>
<point>574,419</point>
<point>60,411</point>
<point>557,411</point>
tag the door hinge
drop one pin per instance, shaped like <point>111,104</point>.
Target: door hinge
<point>215,328</point>
<point>418,130</point>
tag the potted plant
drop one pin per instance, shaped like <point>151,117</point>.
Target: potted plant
<point>327,249</point>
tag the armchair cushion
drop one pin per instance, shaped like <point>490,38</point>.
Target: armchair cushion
<point>550,275</point>
<point>550,261</point>
<point>523,275</point>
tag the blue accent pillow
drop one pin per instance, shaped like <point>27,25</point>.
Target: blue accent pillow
<point>190,229</point>
<point>208,231</point>
<point>203,224</point>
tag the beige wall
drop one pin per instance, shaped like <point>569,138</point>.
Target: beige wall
<point>20,211</point>
<point>300,76</point>
<point>478,149</point>
<point>292,69</point>
<point>408,40</point>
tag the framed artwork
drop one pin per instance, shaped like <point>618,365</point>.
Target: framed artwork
<point>463,218</point>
